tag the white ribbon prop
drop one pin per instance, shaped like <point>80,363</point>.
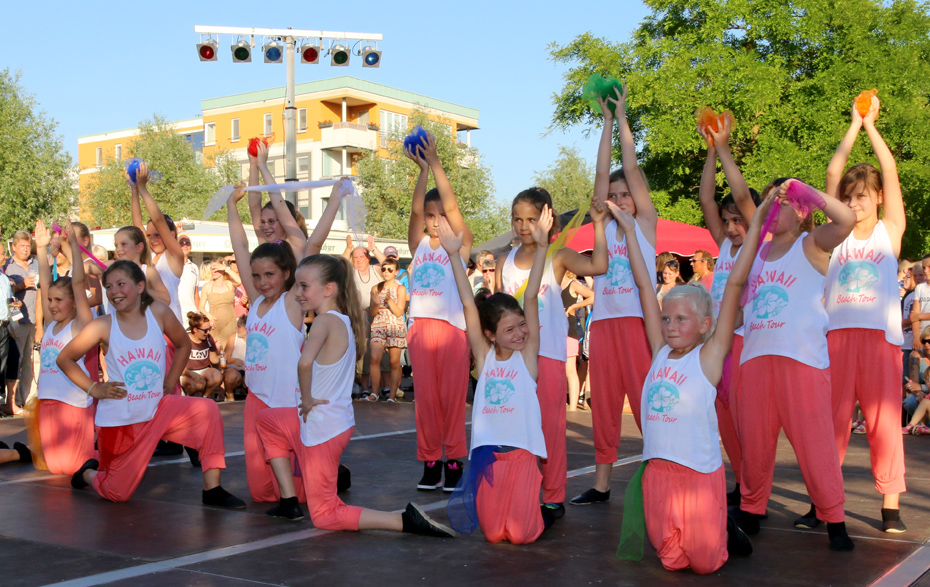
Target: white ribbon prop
<point>219,198</point>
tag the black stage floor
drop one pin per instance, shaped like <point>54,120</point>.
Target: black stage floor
<point>50,533</point>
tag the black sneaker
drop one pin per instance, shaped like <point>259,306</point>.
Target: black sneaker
<point>166,448</point>
<point>891,520</point>
<point>343,479</point>
<point>288,508</point>
<point>417,522</point>
<point>219,497</point>
<point>452,474</point>
<point>194,456</point>
<point>432,476</point>
<point>809,520</point>
<point>556,510</point>
<point>25,455</point>
<point>77,480</point>
<point>733,497</point>
<point>591,496</point>
<point>738,543</point>
<point>4,446</point>
<point>839,538</point>
<point>748,523</point>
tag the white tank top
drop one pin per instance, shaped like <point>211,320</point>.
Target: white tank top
<point>786,317</point>
<point>140,365</point>
<point>53,384</point>
<point>722,269</point>
<point>862,285</point>
<point>553,324</point>
<point>920,294</point>
<point>239,349</point>
<point>272,351</point>
<point>678,414</point>
<point>172,283</point>
<point>433,293</point>
<point>364,287</point>
<point>334,383</point>
<point>506,411</point>
<point>615,293</point>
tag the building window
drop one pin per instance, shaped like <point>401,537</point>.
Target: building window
<point>362,117</point>
<point>209,131</point>
<point>301,119</point>
<point>234,130</point>
<point>118,152</point>
<point>340,214</point>
<point>303,165</point>
<point>99,157</point>
<point>332,163</point>
<point>267,124</point>
<point>393,127</point>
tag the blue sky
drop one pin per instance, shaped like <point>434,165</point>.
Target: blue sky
<point>107,65</point>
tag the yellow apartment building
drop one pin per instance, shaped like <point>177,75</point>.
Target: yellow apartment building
<point>337,119</point>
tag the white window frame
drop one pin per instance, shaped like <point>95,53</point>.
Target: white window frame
<point>209,133</point>
<point>301,120</point>
<point>304,158</point>
<point>99,159</point>
<point>118,152</point>
<point>393,126</point>
<point>234,130</point>
<point>268,124</point>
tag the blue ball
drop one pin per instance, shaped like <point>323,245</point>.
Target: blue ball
<point>416,140</point>
<point>132,167</point>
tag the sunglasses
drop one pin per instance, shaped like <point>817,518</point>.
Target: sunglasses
<point>388,270</point>
<point>203,329</point>
<point>185,243</point>
<point>924,340</point>
<point>488,270</point>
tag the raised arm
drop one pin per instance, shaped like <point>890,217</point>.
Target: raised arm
<point>738,186</point>
<point>604,155</point>
<point>156,286</point>
<point>579,264</point>
<point>172,246</point>
<point>828,236</point>
<point>718,345</point>
<point>255,198</point>
<point>417,215</point>
<point>239,240</point>
<point>450,206</point>
<point>373,249</point>
<point>452,243</point>
<point>893,202</point>
<point>82,303</point>
<point>707,194</point>
<point>646,215</point>
<point>295,236</point>
<point>531,293</point>
<point>643,277</point>
<point>325,223</point>
<point>43,238</point>
<point>135,207</point>
<point>837,164</point>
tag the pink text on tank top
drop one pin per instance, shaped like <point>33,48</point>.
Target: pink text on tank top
<point>48,356</point>
<point>425,276</point>
<point>140,379</point>
<point>663,394</point>
<point>769,295</point>
<point>619,273</point>
<point>498,388</point>
<point>858,275</point>
<point>257,345</point>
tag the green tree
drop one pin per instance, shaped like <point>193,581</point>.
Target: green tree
<point>387,185</point>
<point>788,70</point>
<point>186,185</point>
<point>35,171</point>
<point>569,180</point>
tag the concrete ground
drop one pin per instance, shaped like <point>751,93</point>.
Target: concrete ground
<point>50,533</point>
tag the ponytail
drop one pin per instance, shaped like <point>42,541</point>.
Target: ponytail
<point>338,270</point>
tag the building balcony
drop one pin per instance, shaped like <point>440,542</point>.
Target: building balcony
<point>351,136</point>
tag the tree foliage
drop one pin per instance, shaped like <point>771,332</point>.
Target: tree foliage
<point>184,189</point>
<point>569,180</point>
<point>387,185</point>
<point>788,69</point>
<point>35,171</point>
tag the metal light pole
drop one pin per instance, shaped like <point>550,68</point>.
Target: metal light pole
<point>290,38</point>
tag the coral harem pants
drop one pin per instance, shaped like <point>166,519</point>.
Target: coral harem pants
<point>263,487</point>
<point>125,451</point>
<point>620,357</point>
<point>866,367</point>
<point>509,510</point>
<point>726,413</point>
<point>439,357</point>
<point>279,432</point>
<point>551,387</point>
<point>781,392</point>
<point>67,434</point>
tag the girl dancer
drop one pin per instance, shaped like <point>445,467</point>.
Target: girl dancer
<point>322,426</point>
<point>785,375</point>
<point>66,413</point>
<point>129,244</point>
<point>275,335</point>
<point>388,330</point>
<point>619,356</point>
<point>278,220</point>
<point>436,338</point>
<point>864,307</point>
<point>727,223</point>
<point>683,481</point>
<point>512,273</point>
<point>135,410</point>
<point>167,256</point>
<point>502,489</point>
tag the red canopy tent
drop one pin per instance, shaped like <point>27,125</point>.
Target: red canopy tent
<point>675,237</point>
